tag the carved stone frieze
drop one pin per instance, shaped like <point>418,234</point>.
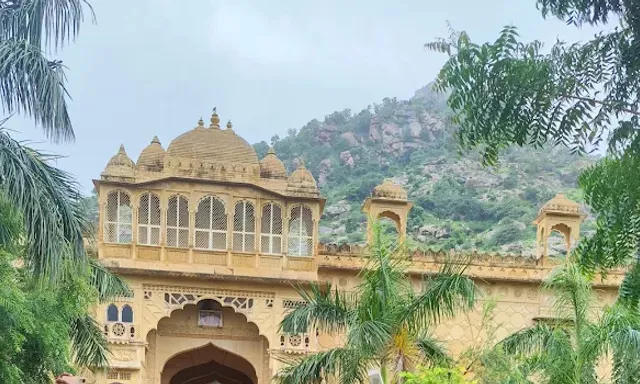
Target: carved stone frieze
<point>244,333</point>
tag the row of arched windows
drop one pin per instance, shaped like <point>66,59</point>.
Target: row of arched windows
<point>210,230</point>
<point>115,315</point>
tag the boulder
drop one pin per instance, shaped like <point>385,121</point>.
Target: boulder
<point>350,138</point>
<point>374,129</point>
<point>433,232</point>
<point>347,159</point>
<point>415,129</point>
<point>338,208</point>
<point>324,169</point>
<point>325,133</point>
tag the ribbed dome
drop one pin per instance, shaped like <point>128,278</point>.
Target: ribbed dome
<point>390,190</point>
<point>301,182</point>
<point>560,203</point>
<point>120,164</point>
<point>152,157</point>
<point>121,159</point>
<point>213,144</point>
<point>271,167</point>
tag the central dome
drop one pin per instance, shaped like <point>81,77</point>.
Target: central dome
<point>213,145</point>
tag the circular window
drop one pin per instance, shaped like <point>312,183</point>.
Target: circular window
<point>118,329</point>
<point>295,340</point>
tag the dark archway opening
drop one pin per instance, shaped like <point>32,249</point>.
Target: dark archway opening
<point>210,372</point>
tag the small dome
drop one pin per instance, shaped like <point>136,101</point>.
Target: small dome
<point>213,144</point>
<point>560,203</point>
<point>120,164</point>
<point>271,167</point>
<point>121,159</point>
<point>301,181</point>
<point>390,190</point>
<point>152,157</point>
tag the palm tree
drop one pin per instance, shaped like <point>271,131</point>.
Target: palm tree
<point>568,349</point>
<point>32,85</point>
<point>45,199</point>
<point>386,323</point>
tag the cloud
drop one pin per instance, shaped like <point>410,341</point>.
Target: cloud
<point>248,34</point>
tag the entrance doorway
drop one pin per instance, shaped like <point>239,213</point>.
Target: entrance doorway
<point>206,343</point>
<point>208,365</point>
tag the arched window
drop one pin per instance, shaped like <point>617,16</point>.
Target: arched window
<point>149,220</point>
<point>271,229</point>
<point>178,222</point>
<point>301,232</point>
<point>389,225</point>
<point>112,313</point>
<point>127,314</point>
<point>244,227</point>
<point>117,225</point>
<point>211,224</point>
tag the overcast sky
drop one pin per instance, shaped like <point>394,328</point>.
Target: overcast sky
<point>155,67</point>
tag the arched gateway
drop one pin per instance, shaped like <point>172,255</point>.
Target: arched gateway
<point>212,242</point>
<point>207,343</point>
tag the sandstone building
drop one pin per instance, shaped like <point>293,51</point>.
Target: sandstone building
<point>211,240</point>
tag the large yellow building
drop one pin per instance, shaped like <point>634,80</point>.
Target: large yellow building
<point>211,240</point>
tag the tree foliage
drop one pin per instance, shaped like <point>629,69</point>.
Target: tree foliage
<point>48,283</point>
<point>385,322</point>
<point>569,347</point>
<point>510,92</point>
<point>48,328</point>
<point>437,375</point>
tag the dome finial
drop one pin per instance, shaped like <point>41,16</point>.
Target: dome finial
<point>121,150</point>
<point>201,123</point>
<point>155,140</point>
<point>271,151</point>
<point>229,126</point>
<point>215,120</point>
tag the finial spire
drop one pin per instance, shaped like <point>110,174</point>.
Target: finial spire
<point>229,126</point>
<point>200,123</point>
<point>155,140</point>
<point>271,151</point>
<point>215,120</point>
<point>121,151</point>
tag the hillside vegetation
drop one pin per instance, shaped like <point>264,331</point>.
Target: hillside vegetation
<point>458,203</point>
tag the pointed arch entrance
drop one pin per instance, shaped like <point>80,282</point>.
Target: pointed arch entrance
<point>208,364</point>
<point>205,343</point>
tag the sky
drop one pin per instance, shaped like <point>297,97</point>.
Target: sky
<point>154,67</point>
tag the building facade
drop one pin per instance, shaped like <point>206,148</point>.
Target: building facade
<point>212,241</point>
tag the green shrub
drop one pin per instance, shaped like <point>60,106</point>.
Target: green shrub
<point>437,375</point>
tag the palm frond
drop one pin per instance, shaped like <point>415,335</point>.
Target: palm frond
<point>446,293</point>
<point>88,343</point>
<point>57,21</point>
<point>384,284</point>
<point>547,350</point>
<point>370,336</point>
<point>530,340</point>
<point>324,308</point>
<point>32,85</point>
<point>10,227</point>
<point>47,199</point>
<point>572,292</point>
<point>621,328</point>
<point>107,284</point>
<point>434,353</point>
<point>342,363</point>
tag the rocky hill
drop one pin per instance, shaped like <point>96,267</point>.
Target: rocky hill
<point>458,203</point>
